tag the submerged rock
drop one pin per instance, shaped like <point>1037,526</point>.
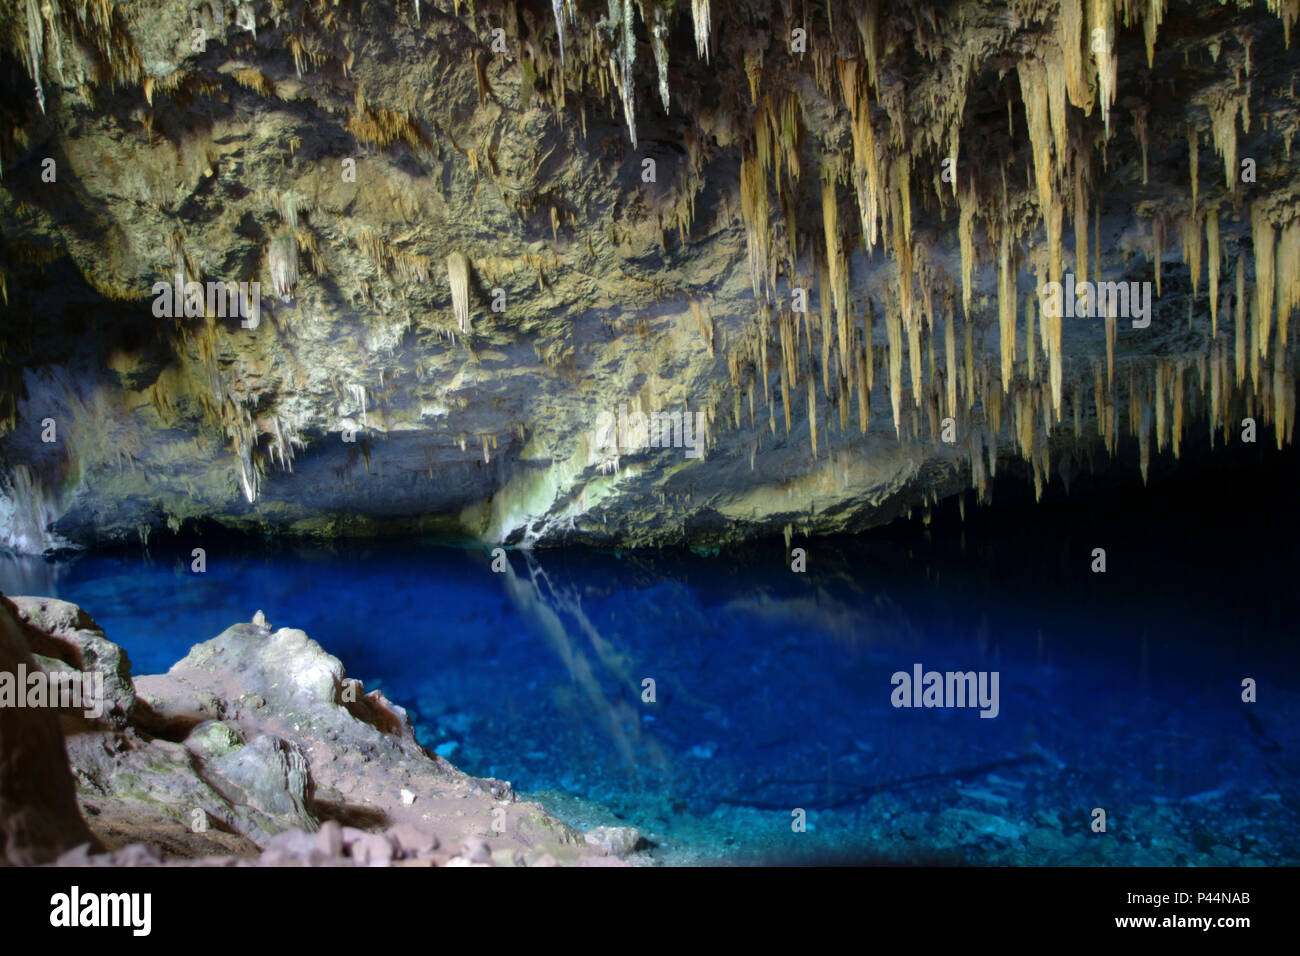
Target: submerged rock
<point>615,841</point>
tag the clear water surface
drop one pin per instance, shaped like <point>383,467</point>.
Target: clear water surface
<point>1119,691</point>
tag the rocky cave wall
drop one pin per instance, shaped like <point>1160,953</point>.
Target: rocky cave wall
<point>826,230</point>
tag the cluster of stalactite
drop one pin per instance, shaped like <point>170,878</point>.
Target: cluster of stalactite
<point>896,151</point>
<point>1244,372</point>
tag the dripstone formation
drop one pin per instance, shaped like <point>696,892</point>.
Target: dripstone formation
<point>882,248</point>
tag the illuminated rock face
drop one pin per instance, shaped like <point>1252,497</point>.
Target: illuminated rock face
<point>842,243</point>
<point>39,817</point>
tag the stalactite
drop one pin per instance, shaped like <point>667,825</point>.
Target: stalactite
<point>894,330</point>
<point>1288,11</point>
<point>870,352</point>
<point>1006,307</point>
<point>282,263</point>
<point>622,58</point>
<point>812,414</point>
<point>1194,161</point>
<point>1216,389</point>
<point>1255,337</point>
<point>1290,399</point>
<point>1112,323</point>
<point>1069,26</point>
<point>1189,231</point>
<point>1288,281</point>
<point>824,296</point>
<point>754,73</point>
<point>950,360</point>
<point>787,387</point>
<point>1055,363</point>
<point>901,173</point>
<point>977,464</point>
<point>754,210</point>
<point>869,31</point>
<point>807,320</point>
<point>1024,425</point>
<point>1144,448</point>
<point>557,8</point>
<point>845,399</point>
<point>864,390</point>
<point>1140,131</point>
<point>1263,239</point>
<point>1101,16</point>
<point>458,275</point>
<point>900,200</point>
<point>1157,247</point>
<point>914,355</point>
<point>929,340</point>
<point>1081,225</point>
<point>836,262</point>
<point>35,45</point>
<point>700,16</point>
<point>1162,385</point>
<point>1151,20</point>
<point>866,171</point>
<point>1033,91</point>
<point>966,236</point>
<point>1057,106</point>
<point>1223,117</point>
<point>1050,336</point>
<point>1212,251</point>
<point>789,345</point>
<point>969,356</point>
<point>1281,408</point>
<point>1239,317</point>
<point>1031,344</point>
<point>1178,404</point>
<point>658,24</point>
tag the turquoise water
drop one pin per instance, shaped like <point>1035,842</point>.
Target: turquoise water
<point>772,689</point>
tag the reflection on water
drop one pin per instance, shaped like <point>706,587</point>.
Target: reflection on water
<point>772,690</point>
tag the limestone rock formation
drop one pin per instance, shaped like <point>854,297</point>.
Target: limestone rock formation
<point>846,236</point>
<point>254,748</point>
<point>39,818</point>
<point>65,633</point>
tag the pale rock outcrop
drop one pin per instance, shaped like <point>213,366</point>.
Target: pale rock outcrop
<point>39,817</point>
<point>254,748</point>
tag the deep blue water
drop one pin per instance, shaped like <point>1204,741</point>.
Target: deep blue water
<point>1119,691</point>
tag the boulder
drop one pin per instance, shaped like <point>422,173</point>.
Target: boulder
<point>39,816</point>
<point>615,841</point>
<point>66,633</point>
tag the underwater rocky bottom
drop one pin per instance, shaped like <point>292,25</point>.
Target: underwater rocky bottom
<point>774,691</point>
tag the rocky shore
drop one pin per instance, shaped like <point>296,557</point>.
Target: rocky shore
<point>255,749</point>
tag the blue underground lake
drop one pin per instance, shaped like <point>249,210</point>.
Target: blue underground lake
<point>774,691</point>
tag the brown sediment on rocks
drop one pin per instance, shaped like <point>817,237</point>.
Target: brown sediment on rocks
<point>255,749</point>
